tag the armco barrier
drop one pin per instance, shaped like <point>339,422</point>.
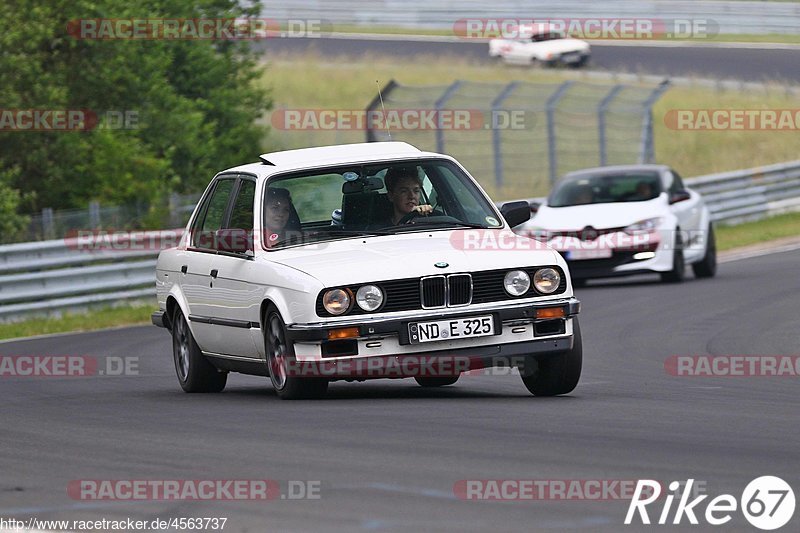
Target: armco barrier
<point>47,276</point>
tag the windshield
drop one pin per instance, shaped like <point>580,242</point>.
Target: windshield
<point>374,199</point>
<point>608,188</point>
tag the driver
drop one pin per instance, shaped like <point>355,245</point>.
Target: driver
<point>404,190</point>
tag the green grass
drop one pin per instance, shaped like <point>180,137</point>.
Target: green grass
<point>309,81</point>
<point>137,313</point>
<point>778,38</point>
<point>761,231</point>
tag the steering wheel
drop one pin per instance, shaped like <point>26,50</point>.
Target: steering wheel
<point>408,217</point>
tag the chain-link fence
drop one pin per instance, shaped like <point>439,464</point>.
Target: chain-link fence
<point>58,224</point>
<point>517,138</point>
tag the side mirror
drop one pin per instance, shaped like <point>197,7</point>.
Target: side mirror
<point>534,207</point>
<point>679,196</point>
<point>516,213</point>
<point>233,240</point>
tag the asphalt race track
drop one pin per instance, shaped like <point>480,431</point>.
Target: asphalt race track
<point>719,63</point>
<point>388,453</point>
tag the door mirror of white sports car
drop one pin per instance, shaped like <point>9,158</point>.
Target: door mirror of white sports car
<point>233,240</point>
<point>679,196</point>
<point>516,213</point>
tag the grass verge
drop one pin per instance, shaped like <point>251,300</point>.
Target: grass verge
<point>761,231</point>
<point>728,237</point>
<point>777,38</point>
<point>107,317</point>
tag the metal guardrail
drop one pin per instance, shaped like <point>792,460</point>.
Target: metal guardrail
<point>66,274</point>
<point>743,195</point>
<point>760,17</point>
<point>51,276</point>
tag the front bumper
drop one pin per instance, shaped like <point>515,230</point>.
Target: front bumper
<point>518,331</point>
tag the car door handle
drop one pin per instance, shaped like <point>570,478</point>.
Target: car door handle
<point>214,273</point>
<point>184,268</point>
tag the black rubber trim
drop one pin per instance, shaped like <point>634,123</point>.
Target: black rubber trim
<point>231,323</point>
<point>159,318</point>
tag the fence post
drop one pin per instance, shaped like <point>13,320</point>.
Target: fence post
<point>376,103</point>
<point>496,144</point>
<point>646,145</point>
<point>174,210</point>
<point>552,102</point>
<point>438,106</point>
<point>94,215</point>
<point>602,108</point>
<point>48,229</point>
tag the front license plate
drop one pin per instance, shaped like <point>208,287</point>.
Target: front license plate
<point>445,330</point>
<point>578,255</point>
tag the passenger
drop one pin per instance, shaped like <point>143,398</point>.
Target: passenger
<point>280,217</point>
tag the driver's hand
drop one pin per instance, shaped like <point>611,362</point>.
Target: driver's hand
<point>424,209</point>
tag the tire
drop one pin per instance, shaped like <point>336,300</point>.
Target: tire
<point>678,272</point>
<point>280,356</point>
<point>436,382</point>
<point>557,374</point>
<point>707,267</point>
<point>195,373</point>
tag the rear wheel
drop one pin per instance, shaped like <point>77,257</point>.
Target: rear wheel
<point>195,373</point>
<point>707,267</point>
<point>436,382</point>
<point>557,374</point>
<point>289,384</point>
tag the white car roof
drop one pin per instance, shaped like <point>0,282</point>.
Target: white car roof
<point>304,158</point>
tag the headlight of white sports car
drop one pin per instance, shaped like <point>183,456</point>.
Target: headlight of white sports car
<point>646,225</point>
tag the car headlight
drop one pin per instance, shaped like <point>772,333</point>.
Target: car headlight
<point>517,282</point>
<point>647,225</point>
<point>369,297</point>
<point>547,280</point>
<point>336,301</point>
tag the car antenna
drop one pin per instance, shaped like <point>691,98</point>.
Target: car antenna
<point>383,110</point>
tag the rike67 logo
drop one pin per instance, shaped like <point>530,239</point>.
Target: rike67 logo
<point>767,503</point>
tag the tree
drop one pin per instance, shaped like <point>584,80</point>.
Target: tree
<point>191,105</point>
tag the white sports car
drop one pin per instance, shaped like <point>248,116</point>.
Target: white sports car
<point>624,220</point>
<point>362,261</point>
<point>541,44</point>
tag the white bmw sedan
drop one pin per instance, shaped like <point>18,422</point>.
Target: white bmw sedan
<point>362,261</point>
<point>540,44</point>
<point>625,220</point>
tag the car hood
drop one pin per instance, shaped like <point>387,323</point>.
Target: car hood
<point>359,260</point>
<point>599,216</point>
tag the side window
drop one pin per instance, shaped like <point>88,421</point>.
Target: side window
<point>212,214</point>
<point>242,211</point>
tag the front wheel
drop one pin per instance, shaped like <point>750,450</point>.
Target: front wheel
<point>707,267</point>
<point>195,373</point>
<point>289,383</point>
<point>559,373</point>
<point>678,272</point>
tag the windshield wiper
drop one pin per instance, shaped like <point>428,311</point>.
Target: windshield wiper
<point>427,223</point>
<point>323,235</point>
